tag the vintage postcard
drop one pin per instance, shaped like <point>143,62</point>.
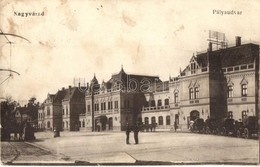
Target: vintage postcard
<point>123,82</point>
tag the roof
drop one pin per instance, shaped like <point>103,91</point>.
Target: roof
<point>233,56</point>
<point>73,93</point>
<point>59,96</point>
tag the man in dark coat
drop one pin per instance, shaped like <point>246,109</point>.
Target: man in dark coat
<point>128,130</point>
<point>136,131</point>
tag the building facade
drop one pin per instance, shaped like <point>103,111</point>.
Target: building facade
<point>215,84</point>
<point>73,104</point>
<point>110,105</point>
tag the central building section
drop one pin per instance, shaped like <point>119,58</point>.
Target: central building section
<point>112,104</point>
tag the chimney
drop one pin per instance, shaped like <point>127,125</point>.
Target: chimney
<point>210,47</point>
<point>238,40</point>
<point>63,88</point>
<point>79,84</point>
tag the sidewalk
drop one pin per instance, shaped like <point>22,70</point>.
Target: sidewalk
<point>23,152</point>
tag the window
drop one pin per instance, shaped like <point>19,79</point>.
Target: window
<point>88,108</point>
<point>104,105</point>
<point>152,103</point>
<point>196,92</point>
<point>230,91</point>
<point>193,67</point>
<point>48,124</point>
<point>159,103</point>
<point>116,104</point>
<point>160,120</point>
<point>168,120</point>
<point>83,123</point>
<point>244,89</point>
<point>110,105</point>
<point>63,111</point>
<point>230,114</point>
<point>146,120</point>
<point>166,102</point>
<point>96,107</point>
<point>176,97</point>
<point>66,110</point>
<point>153,120</point>
<point>244,114</point>
<point>48,111</point>
<point>191,93</point>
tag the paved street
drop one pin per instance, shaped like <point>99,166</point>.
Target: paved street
<point>110,147</point>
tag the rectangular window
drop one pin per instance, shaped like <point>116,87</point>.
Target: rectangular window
<point>88,108</point>
<point>191,93</point>
<point>230,91</point>
<point>48,110</point>
<point>116,104</point>
<point>243,67</point>
<point>104,105</point>
<point>196,93</point>
<point>244,90</point>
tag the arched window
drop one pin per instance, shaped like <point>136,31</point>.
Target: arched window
<point>160,120</point>
<point>244,115</point>
<point>159,102</point>
<point>230,114</point>
<point>176,97</point>
<point>153,120</point>
<point>244,89</point>
<point>166,102</point>
<point>146,120</point>
<point>168,120</point>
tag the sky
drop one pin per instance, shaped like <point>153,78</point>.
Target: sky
<point>80,38</point>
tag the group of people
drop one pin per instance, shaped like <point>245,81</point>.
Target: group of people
<point>135,129</point>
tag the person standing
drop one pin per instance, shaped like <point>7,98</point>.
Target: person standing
<point>175,126</point>
<point>136,131</point>
<point>128,130</point>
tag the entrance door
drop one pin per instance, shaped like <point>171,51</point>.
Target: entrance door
<point>177,119</point>
<point>194,115</point>
<point>110,123</point>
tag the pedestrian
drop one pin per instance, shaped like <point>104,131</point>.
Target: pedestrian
<point>136,131</point>
<point>175,126</point>
<point>128,130</point>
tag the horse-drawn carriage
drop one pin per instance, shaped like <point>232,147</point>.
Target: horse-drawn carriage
<point>198,126</point>
<point>248,127</point>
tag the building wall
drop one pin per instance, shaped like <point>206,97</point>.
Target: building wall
<point>57,116</point>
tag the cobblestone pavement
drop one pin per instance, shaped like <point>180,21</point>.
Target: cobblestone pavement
<point>153,148</point>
